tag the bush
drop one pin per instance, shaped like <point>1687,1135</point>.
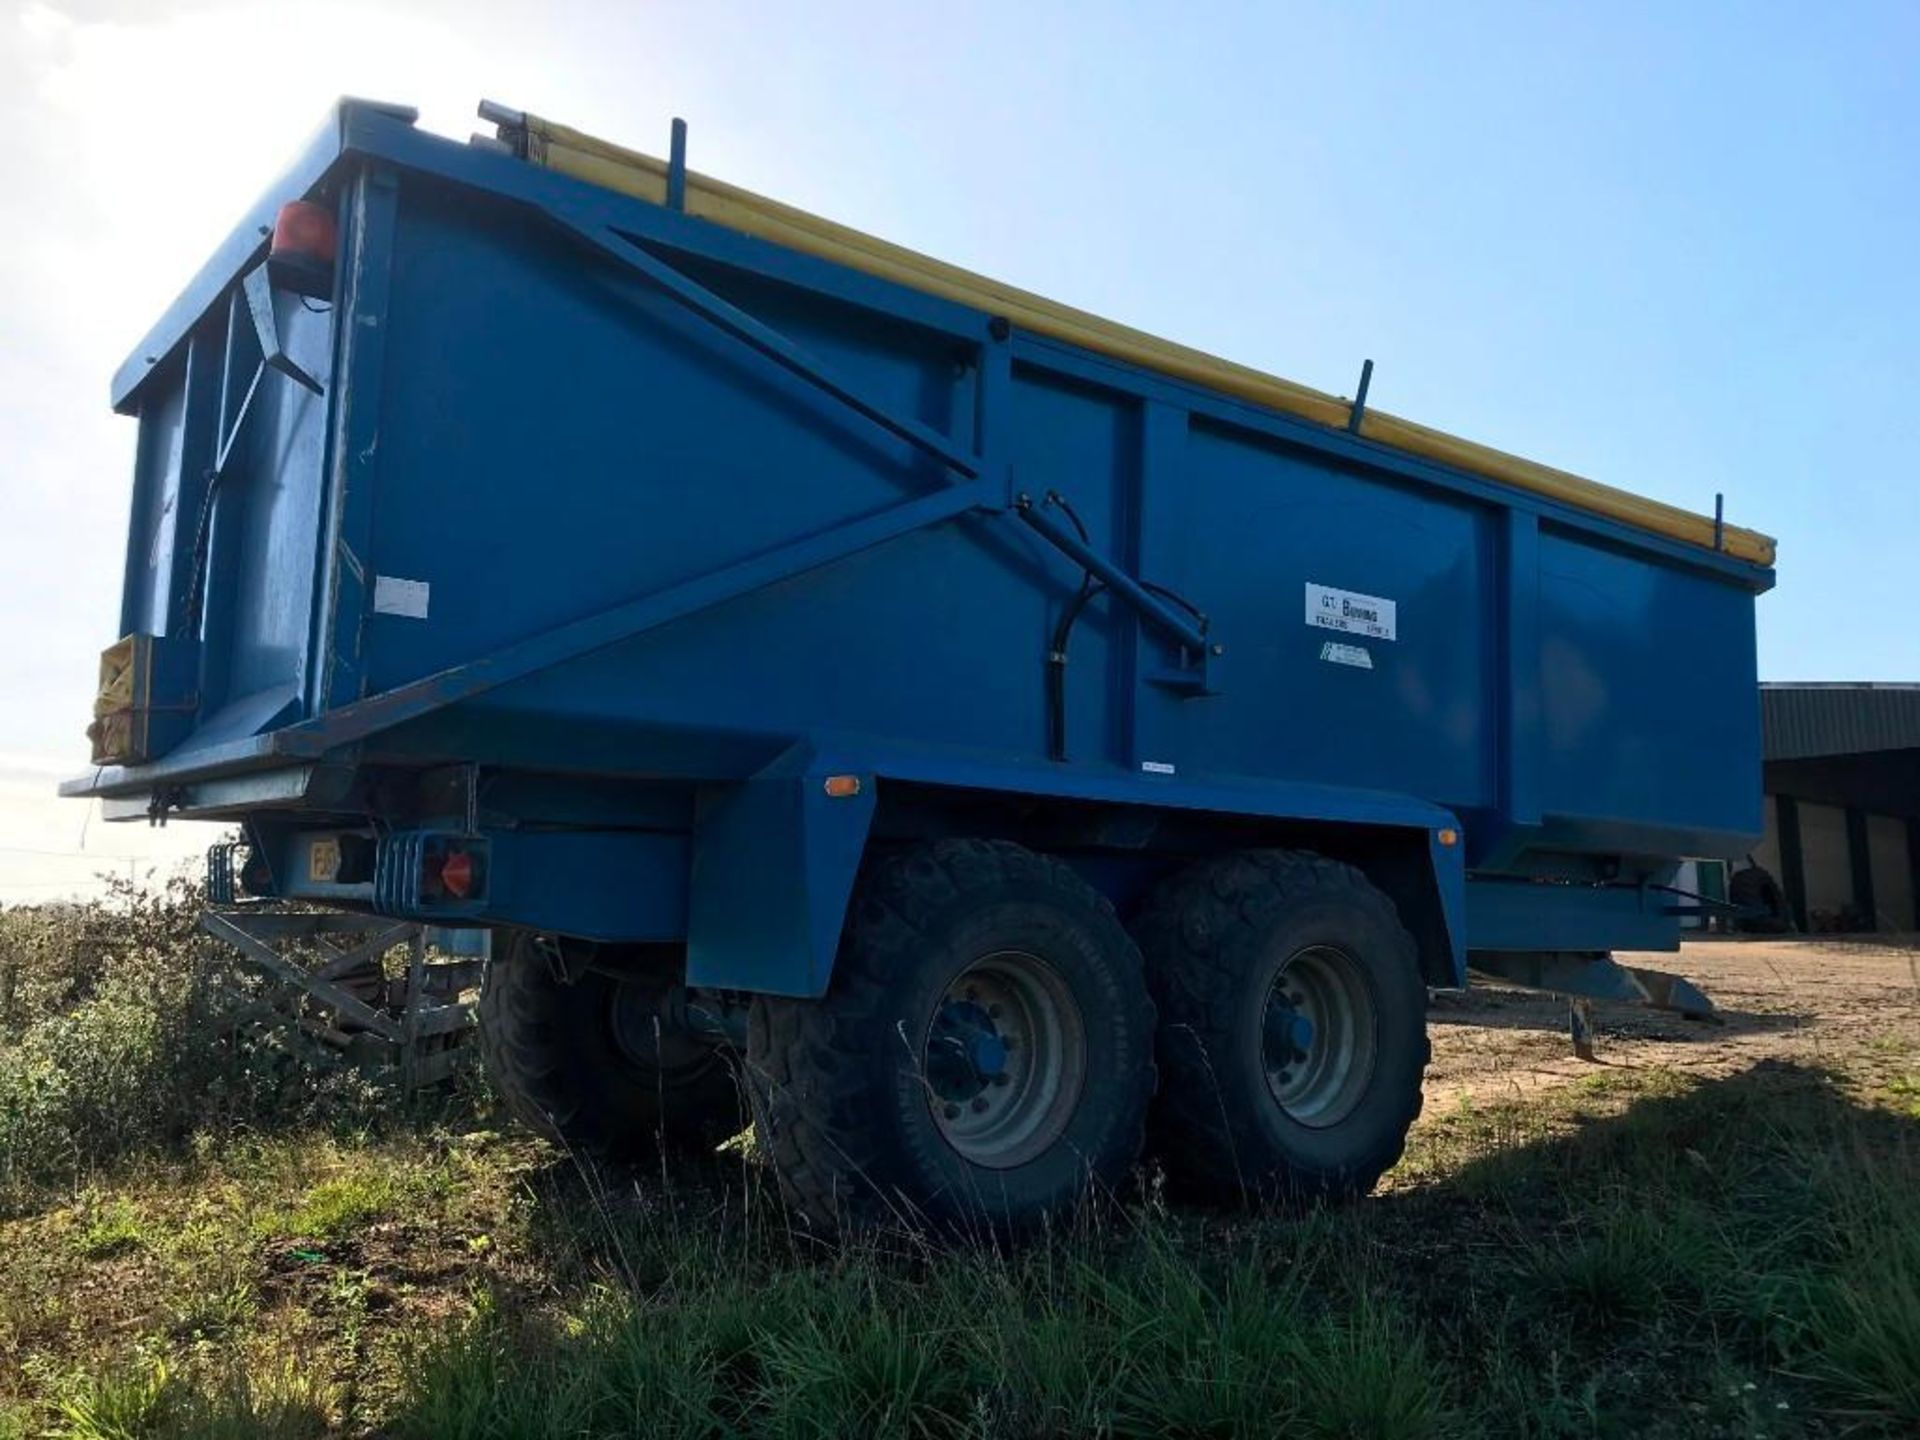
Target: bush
<point>124,1029</point>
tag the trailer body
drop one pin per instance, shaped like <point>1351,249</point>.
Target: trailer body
<point>661,569</point>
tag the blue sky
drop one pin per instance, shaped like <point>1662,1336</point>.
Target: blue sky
<point>1671,247</point>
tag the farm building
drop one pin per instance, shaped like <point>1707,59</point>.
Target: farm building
<point>1842,780</point>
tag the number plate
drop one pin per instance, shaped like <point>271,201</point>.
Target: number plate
<point>323,861</point>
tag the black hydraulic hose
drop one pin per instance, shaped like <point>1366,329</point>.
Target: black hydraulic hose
<point>1090,589</point>
<point>1057,668</point>
<point>1175,598</point>
<point>203,527</point>
<point>1073,516</point>
<point>1065,507</point>
<point>1057,651</point>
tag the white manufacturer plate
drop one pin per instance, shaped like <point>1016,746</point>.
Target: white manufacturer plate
<point>394,596</point>
<point>1336,653</point>
<point>1349,612</point>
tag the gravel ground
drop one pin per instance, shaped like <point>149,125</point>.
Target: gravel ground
<point>1813,1002</point>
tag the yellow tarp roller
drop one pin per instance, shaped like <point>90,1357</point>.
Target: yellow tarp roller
<point>632,173</point>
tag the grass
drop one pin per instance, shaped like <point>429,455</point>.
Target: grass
<point>335,1208</point>
<point>155,1400</point>
<point>1657,1256</point>
<point>1905,1090</point>
<point>1638,1253</point>
<point>113,1229</point>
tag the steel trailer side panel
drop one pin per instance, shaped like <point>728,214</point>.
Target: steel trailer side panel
<point>626,450</point>
<point>557,437</point>
<point>616,168</point>
<point>1650,717</point>
<point>623,535</point>
<point>1409,711</point>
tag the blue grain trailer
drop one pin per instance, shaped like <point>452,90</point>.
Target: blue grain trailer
<point>1015,738</point>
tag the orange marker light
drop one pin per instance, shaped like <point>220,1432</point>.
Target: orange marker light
<point>300,256</point>
<point>305,229</point>
<point>1448,837</point>
<point>841,787</point>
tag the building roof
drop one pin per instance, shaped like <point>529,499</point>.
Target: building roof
<point>1802,721</point>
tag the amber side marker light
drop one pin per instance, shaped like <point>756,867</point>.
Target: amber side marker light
<point>841,787</point>
<point>1448,836</point>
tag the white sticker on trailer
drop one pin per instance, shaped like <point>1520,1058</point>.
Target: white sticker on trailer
<point>1336,652</point>
<point>1349,612</point>
<point>394,596</point>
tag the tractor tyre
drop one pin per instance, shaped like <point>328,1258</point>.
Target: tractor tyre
<point>1292,1028</point>
<point>983,1057</point>
<point>595,1064</point>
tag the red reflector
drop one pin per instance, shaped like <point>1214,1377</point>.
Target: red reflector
<point>303,229</point>
<point>457,874</point>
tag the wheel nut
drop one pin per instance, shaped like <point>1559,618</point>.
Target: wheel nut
<point>993,1012</point>
<point>952,1112</point>
<point>1002,1078</point>
<point>1286,1077</point>
<point>979,1104</point>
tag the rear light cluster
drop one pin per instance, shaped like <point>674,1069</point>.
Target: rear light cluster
<point>451,870</point>
<point>439,872</point>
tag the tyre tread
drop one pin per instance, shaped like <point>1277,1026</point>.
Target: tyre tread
<point>529,1043</point>
<point>811,1078</point>
<point>1193,969</point>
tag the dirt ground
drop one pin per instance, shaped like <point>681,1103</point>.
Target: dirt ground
<point>1808,1001</point>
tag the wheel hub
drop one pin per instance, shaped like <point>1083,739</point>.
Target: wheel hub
<point>1318,1040</point>
<point>1289,1031</point>
<point>966,1052</point>
<point>1005,1057</point>
<point>647,1030</point>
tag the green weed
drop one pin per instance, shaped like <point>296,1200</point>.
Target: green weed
<point>157,1402</point>
<point>112,1229</point>
<point>336,1208</point>
<point>1905,1090</point>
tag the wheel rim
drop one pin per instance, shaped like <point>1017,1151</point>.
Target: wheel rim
<point>1004,1059</point>
<point>1319,1036</point>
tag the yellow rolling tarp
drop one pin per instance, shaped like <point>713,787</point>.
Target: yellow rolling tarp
<point>632,173</point>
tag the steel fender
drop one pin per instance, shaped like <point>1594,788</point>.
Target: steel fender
<point>774,861</point>
<point>1449,864</point>
<point>1427,877</point>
